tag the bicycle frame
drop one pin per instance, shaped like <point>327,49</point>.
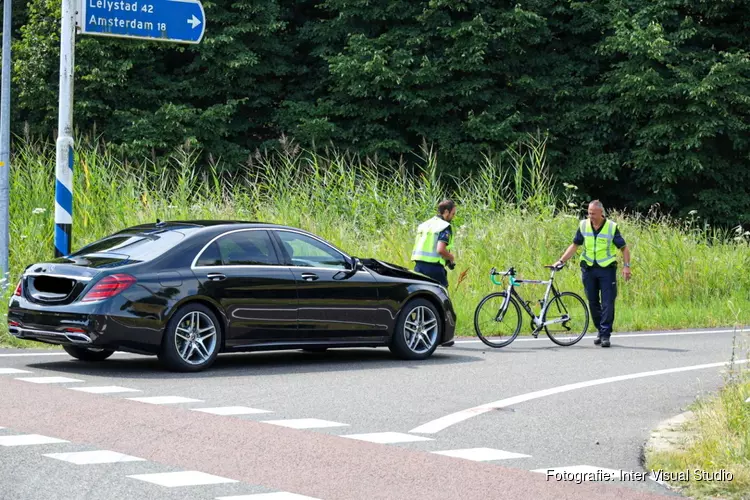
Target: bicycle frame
<point>510,291</point>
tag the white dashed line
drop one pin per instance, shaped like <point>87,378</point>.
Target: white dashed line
<point>387,437</point>
<point>183,478</point>
<point>28,354</point>
<point>165,400</point>
<point>94,457</point>
<point>231,410</point>
<point>305,423</point>
<point>8,371</point>
<point>104,389</point>
<point>481,454</point>
<point>49,380</point>
<point>279,495</point>
<point>28,439</point>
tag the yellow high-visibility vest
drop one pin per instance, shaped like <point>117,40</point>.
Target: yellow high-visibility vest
<point>425,243</point>
<point>600,248</point>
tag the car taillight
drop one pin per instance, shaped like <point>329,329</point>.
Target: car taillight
<point>109,287</point>
<point>18,289</point>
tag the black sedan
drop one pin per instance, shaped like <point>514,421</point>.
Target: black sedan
<point>187,291</point>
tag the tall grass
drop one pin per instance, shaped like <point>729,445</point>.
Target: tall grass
<point>512,212</point>
<point>716,438</point>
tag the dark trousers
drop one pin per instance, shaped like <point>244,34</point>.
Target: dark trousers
<point>600,284</point>
<point>434,271</point>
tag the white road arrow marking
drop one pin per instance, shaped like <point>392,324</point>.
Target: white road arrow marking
<point>194,22</point>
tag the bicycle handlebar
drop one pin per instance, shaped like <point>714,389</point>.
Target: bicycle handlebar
<point>512,272</point>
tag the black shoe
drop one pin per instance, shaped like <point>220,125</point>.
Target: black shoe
<point>448,344</point>
<point>598,341</point>
<point>605,343</point>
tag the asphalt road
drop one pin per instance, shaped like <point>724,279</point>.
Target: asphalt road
<point>471,422</point>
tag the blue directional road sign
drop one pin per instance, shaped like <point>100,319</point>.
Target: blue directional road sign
<point>179,21</point>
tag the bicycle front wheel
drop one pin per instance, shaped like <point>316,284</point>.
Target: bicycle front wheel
<point>569,319</point>
<point>495,327</point>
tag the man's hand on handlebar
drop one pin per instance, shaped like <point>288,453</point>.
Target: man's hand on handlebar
<point>558,265</point>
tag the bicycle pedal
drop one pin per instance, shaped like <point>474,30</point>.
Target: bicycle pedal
<point>535,334</point>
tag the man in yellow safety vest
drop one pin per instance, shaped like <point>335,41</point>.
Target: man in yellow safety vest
<point>434,242</point>
<point>599,238</point>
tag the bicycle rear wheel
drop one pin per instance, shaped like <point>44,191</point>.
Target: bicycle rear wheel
<point>571,317</point>
<point>495,327</point>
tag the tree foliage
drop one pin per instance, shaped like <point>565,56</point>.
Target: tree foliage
<point>645,101</point>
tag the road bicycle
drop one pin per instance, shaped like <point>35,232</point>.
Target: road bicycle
<point>563,315</point>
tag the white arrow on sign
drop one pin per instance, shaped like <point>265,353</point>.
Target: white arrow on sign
<point>194,22</point>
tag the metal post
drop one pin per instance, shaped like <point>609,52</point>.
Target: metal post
<point>5,149</point>
<point>64,167</point>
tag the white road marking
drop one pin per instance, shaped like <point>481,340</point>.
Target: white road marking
<point>8,371</point>
<point>232,410</point>
<point>442,423</point>
<point>165,400</point>
<point>305,423</point>
<point>279,495</point>
<point>27,354</point>
<point>49,380</point>
<point>586,470</point>
<point>104,389</point>
<point>387,437</point>
<point>617,336</point>
<point>32,354</point>
<point>28,439</point>
<point>94,457</point>
<point>182,478</point>
<point>481,454</point>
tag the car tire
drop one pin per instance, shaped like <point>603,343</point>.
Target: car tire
<point>403,344</point>
<point>87,353</point>
<point>188,343</point>
<point>315,349</point>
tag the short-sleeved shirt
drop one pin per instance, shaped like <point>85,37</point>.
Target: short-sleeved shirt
<point>618,240</point>
<point>445,235</point>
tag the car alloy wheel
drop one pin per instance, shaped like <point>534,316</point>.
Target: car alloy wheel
<point>420,330</point>
<point>195,338</point>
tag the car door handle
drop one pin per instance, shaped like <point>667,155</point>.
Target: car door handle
<point>309,276</point>
<point>216,276</point>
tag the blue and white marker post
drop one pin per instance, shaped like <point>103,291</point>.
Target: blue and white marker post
<point>177,21</point>
<point>64,156</point>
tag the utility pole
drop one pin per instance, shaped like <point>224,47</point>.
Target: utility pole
<point>5,150</point>
<point>64,151</point>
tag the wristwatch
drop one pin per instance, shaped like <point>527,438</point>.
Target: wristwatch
<point>627,264</point>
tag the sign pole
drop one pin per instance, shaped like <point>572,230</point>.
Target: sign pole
<point>5,150</point>
<point>64,153</point>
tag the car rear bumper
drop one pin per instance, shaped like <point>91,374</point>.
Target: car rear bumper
<point>87,325</point>
<point>49,336</point>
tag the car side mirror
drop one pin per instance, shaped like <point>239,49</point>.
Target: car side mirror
<point>355,265</point>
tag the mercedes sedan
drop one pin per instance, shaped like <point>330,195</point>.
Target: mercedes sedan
<point>187,291</point>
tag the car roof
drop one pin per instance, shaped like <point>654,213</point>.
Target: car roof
<point>186,224</point>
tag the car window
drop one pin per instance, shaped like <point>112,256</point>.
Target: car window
<point>136,246</point>
<point>210,256</point>
<point>309,252</point>
<point>243,248</point>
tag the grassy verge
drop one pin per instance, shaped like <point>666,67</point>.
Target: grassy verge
<point>512,212</point>
<point>718,443</point>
